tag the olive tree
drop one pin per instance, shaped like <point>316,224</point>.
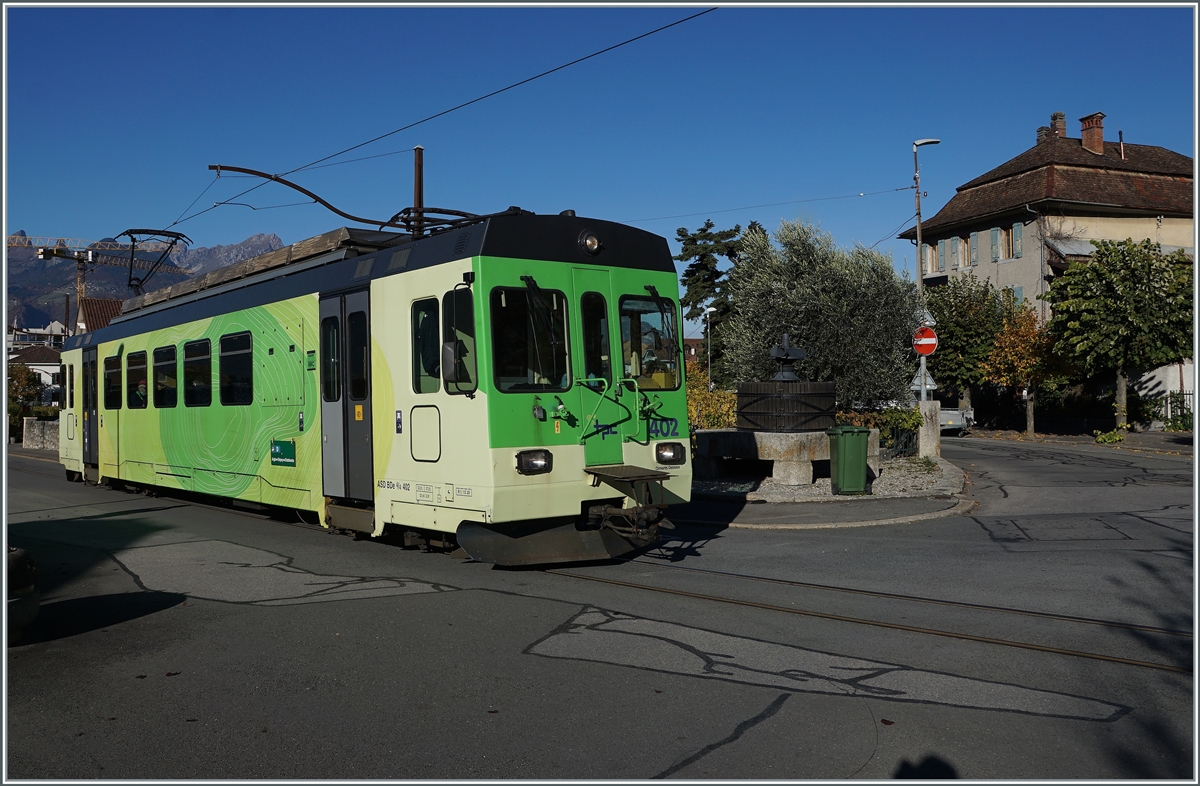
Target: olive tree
<point>849,307</point>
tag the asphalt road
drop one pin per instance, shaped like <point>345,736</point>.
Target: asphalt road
<point>1047,635</point>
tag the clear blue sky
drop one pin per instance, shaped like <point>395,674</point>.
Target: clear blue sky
<point>114,114</point>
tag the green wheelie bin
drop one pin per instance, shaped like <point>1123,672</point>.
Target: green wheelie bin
<point>848,459</point>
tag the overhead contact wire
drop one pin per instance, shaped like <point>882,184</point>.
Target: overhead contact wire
<point>456,108</point>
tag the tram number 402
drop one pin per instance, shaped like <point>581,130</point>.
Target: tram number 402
<point>395,484</point>
<point>667,427</point>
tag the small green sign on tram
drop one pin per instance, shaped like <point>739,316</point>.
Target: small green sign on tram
<point>283,452</point>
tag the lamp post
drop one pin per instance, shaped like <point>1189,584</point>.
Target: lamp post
<point>920,249</point>
<point>917,186</point>
<point>708,333</point>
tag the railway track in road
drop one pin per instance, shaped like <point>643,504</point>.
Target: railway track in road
<point>1143,629</point>
<point>1114,625</point>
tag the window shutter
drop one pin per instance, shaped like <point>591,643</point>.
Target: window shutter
<point>995,243</point>
<point>1018,293</point>
<point>954,254</point>
<point>974,248</point>
<point>1017,239</point>
<point>941,255</point>
<point>924,263</point>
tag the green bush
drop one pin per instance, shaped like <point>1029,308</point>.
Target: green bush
<point>1181,413</point>
<point>891,422</point>
<point>1109,437</point>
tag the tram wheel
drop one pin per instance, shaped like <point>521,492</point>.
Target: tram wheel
<point>73,476</point>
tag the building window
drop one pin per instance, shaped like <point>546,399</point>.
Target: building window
<point>236,366</point>
<point>112,382</point>
<point>166,378</point>
<point>135,380</point>
<point>197,373</point>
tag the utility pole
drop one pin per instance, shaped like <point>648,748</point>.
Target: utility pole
<point>920,250</point>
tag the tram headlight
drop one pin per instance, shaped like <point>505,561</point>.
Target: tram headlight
<point>535,462</point>
<point>589,242</point>
<point>669,453</point>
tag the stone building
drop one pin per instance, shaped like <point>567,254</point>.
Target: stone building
<point>1023,222</point>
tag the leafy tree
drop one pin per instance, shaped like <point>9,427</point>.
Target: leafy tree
<point>969,313</point>
<point>1022,358</point>
<point>24,390</point>
<point>1129,308</point>
<point>703,280</point>
<point>848,307</point>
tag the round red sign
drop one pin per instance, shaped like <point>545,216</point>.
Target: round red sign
<point>925,341</point>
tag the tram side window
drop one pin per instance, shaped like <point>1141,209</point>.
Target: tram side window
<point>597,363</point>
<point>135,380</point>
<point>426,346</point>
<point>112,382</point>
<point>358,355</point>
<point>648,343</point>
<point>331,359</point>
<point>197,373</point>
<point>61,379</point>
<point>529,339</point>
<point>458,311</point>
<point>166,378</point>
<point>71,386</point>
<point>236,368</point>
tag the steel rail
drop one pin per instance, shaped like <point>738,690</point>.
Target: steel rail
<point>877,623</point>
<point>934,601</point>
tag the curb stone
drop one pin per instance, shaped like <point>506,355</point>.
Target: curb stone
<point>950,484</point>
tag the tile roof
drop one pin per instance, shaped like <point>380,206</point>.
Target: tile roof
<point>40,354</point>
<point>97,312</point>
<point>1151,179</point>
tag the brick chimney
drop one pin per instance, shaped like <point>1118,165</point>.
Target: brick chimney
<point>1058,124</point>
<point>1043,133</point>
<point>1093,133</point>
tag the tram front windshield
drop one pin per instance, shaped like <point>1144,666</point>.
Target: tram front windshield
<point>648,342</point>
<point>529,339</point>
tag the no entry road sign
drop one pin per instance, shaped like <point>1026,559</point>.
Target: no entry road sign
<point>925,341</point>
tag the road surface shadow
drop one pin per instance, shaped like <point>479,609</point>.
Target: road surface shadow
<point>80,615</point>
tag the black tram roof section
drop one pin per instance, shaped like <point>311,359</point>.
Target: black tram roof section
<point>347,258</point>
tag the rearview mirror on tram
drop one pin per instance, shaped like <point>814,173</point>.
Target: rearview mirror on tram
<point>452,371</point>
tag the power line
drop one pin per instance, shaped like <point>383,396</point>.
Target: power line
<point>892,233</point>
<point>772,204</point>
<point>460,106</point>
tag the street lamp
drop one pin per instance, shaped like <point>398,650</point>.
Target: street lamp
<point>917,186</point>
<point>708,332</point>
<point>920,250</point>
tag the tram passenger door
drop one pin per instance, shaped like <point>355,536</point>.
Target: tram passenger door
<point>90,407</point>
<point>347,460</point>
<point>604,410</point>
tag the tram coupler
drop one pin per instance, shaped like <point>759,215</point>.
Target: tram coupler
<point>640,523</point>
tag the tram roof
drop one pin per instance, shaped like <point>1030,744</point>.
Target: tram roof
<point>348,258</point>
